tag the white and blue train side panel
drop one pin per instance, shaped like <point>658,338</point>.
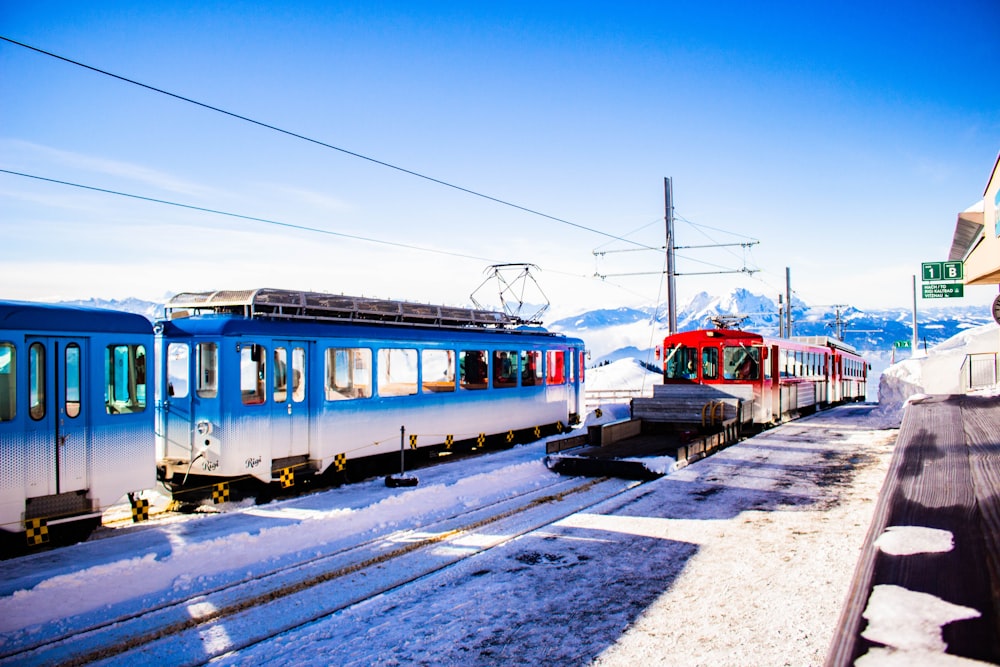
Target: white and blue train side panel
<point>289,395</point>
<point>76,415</point>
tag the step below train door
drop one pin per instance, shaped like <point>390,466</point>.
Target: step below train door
<point>289,400</point>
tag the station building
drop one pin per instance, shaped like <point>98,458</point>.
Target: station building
<point>976,242</point>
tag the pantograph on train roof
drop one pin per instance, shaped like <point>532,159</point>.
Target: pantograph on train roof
<point>280,304</point>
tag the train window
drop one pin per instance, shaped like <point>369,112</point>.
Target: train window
<point>279,375</point>
<point>555,364</point>
<point>125,379</point>
<point>710,363</point>
<point>36,381</point>
<point>207,368</point>
<point>71,372</point>
<point>253,373</point>
<point>438,370</point>
<point>505,368</point>
<point>531,368</point>
<point>177,370</point>
<point>740,362</point>
<point>681,363</point>
<point>348,373</point>
<point>298,374</point>
<point>397,371</point>
<point>8,382</point>
<point>474,369</point>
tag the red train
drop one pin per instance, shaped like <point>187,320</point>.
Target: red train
<point>784,377</point>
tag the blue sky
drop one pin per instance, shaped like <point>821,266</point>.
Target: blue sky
<point>843,137</point>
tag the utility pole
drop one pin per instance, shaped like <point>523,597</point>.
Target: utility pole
<point>781,317</point>
<point>915,337</point>
<point>668,199</point>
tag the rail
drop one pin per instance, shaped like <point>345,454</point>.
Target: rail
<point>597,397</point>
<point>980,370</point>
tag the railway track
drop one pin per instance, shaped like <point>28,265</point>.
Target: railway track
<point>197,625</point>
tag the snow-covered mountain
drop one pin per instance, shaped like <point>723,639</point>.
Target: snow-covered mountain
<point>621,333</point>
<point>151,310</point>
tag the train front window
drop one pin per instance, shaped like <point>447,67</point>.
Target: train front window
<point>253,374</point>
<point>710,363</point>
<point>125,379</point>
<point>474,369</point>
<point>740,362</point>
<point>681,363</point>
<point>177,370</point>
<point>280,375</point>
<point>8,377</point>
<point>298,374</point>
<point>207,367</point>
<point>348,373</point>
<point>72,384</point>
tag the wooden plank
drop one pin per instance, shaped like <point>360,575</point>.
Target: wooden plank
<point>930,483</point>
<point>981,420</point>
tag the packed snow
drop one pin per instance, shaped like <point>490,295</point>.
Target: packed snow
<point>742,558</point>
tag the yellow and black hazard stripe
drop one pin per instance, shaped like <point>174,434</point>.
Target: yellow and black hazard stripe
<point>140,509</point>
<point>287,478</point>
<point>220,493</point>
<point>36,531</point>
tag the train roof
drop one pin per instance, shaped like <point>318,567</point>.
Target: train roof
<point>57,317</point>
<point>235,325</point>
<point>279,304</point>
<point>829,342</point>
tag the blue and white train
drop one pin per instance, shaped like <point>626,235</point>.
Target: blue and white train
<point>264,386</point>
<point>277,385</point>
<point>76,416</point>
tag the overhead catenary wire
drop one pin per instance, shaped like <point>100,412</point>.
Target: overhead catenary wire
<point>317,142</point>
<point>249,217</point>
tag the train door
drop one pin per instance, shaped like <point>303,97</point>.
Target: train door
<point>289,402</point>
<point>177,404</point>
<point>774,388</point>
<point>58,414</point>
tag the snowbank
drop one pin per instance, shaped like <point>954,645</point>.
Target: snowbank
<point>627,374</point>
<point>939,372</point>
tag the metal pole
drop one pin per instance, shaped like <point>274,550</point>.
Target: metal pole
<point>668,196</point>
<point>402,452</point>
<point>915,338</point>
<point>788,302</point>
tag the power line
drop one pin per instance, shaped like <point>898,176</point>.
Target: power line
<point>248,217</point>
<point>313,141</point>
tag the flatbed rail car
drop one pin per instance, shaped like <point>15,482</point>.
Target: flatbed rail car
<point>76,419</point>
<point>274,385</point>
<point>784,377</point>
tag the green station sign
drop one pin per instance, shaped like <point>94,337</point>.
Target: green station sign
<point>943,290</point>
<point>942,271</point>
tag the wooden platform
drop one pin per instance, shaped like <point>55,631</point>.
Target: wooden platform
<point>945,477</point>
<point>627,448</point>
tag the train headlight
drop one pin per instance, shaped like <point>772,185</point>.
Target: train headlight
<point>204,427</point>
